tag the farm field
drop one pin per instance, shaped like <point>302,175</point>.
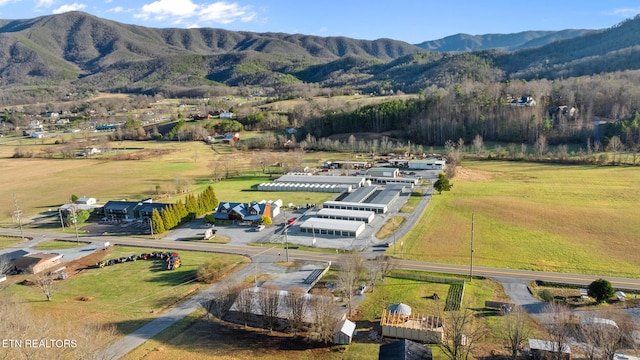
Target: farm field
<point>55,180</point>
<point>580,219</point>
<point>126,295</point>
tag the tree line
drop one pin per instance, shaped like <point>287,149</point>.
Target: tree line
<point>184,211</point>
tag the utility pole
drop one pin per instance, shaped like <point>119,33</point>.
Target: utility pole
<point>286,244</point>
<point>75,221</point>
<point>18,214</point>
<point>472,249</point>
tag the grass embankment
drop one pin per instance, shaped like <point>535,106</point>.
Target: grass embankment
<point>58,245</point>
<point>579,219</point>
<point>127,295</point>
<point>6,242</point>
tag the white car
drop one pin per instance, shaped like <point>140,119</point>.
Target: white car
<point>259,227</point>
<point>361,289</point>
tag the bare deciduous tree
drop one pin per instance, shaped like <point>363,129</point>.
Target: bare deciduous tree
<point>297,307</point>
<point>558,317</point>
<point>221,302</point>
<point>350,267</point>
<point>462,332</point>
<point>378,268</point>
<point>268,303</point>
<point>604,332</point>
<point>44,282</point>
<point>324,310</point>
<point>245,303</point>
<point>516,330</point>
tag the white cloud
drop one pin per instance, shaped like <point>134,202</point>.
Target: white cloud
<point>69,7</point>
<point>44,3</point>
<point>117,9</point>
<point>625,12</point>
<point>188,12</point>
<point>226,13</point>
<point>163,9</point>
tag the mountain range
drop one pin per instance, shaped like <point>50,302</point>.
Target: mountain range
<point>84,51</point>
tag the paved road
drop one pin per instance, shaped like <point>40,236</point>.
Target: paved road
<point>577,279</point>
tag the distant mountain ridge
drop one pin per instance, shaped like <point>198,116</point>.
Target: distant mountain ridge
<point>82,51</point>
<point>510,42</point>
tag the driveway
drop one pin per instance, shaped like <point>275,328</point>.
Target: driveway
<point>520,295</point>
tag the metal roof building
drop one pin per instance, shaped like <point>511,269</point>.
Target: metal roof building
<point>377,208</point>
<point>352,215</point>
<point>354,181</point>
<point>337,227</point>
<point>361,194</point>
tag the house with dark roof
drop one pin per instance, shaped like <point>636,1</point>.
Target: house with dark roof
<point>131,210</point>
<point>404,350</point>
<point>250,213</point>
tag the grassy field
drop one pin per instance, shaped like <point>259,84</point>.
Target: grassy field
<point>58,245</point>
<point>133,179</point>
<point>6,242</point>
<point>579,219</point>
<point>126,295</point>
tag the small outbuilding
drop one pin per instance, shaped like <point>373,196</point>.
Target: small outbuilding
<point>344,332</point>
<point>404,350</point>
<point>543,349</point>
<point>36,263</point>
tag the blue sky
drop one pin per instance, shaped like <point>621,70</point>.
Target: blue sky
<point>412,21</point>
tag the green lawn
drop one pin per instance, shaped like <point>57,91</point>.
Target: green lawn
<point>58,245</point>
<point>579,219</point>
<point>6,242</point>
<point>127,295</point>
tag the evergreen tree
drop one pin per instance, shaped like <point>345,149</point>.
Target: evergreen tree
<point>157,224</point>
<point>442,184</point>
<point>192,207</point>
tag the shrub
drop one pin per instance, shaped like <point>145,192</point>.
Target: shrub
<point>210,271</point>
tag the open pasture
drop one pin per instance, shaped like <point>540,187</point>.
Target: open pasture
<point>127,295</point>
<point>580,219</point>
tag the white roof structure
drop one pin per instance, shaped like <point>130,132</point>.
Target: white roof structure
<point>402,309</point>
<point>333,225</point>
<point>544,345</point>
<point>355,181</point>
<point>353,215</point>
<point>597,321</point>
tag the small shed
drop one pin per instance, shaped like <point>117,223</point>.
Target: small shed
<point>404,350</point>
<point>344,332</point>
<point>543,349</point>
<point>35,263</point>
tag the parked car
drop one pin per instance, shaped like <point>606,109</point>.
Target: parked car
<point>291,221</point>
<point>361,289</point>
<point>259,227</point>
<point>388,244</point>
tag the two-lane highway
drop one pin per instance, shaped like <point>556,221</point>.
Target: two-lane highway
<point>490,272</point>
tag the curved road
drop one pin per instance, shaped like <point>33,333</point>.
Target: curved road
<point>576,279</point>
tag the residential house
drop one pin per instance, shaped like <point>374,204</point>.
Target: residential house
<point>250,213</point>
<point>131,210</point>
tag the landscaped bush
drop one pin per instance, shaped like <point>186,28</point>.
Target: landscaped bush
<point>210,271</point>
